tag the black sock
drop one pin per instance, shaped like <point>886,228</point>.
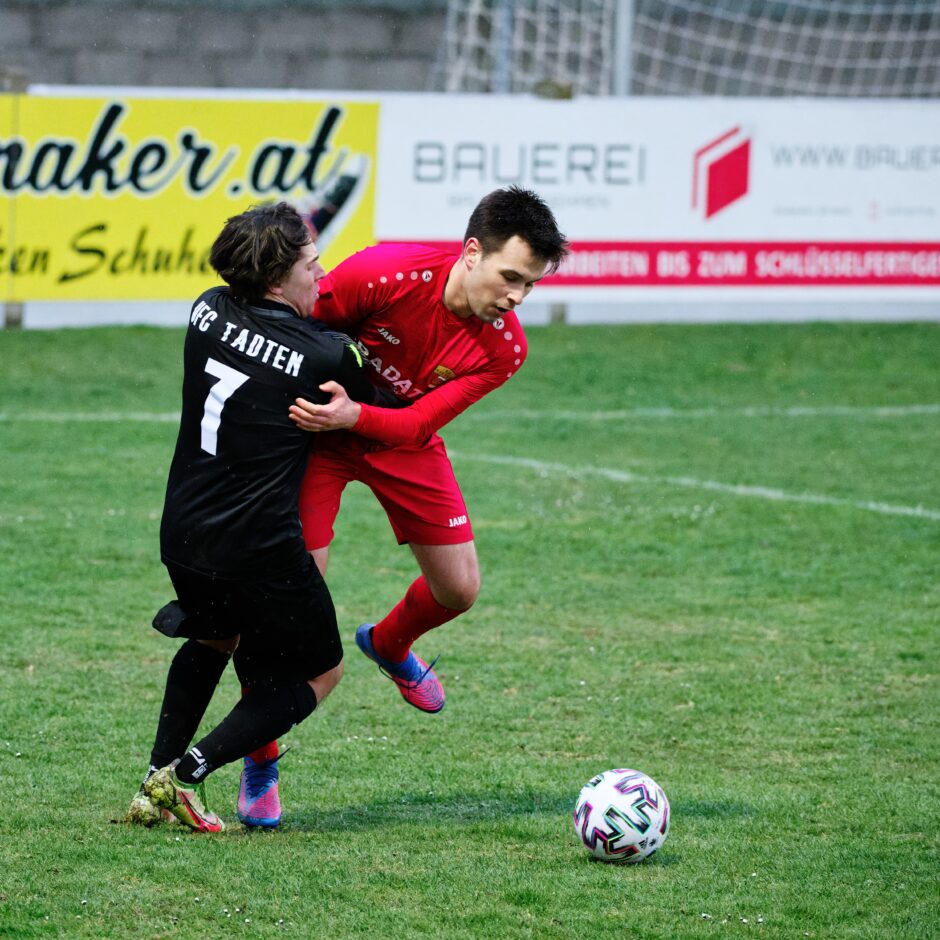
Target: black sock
<point>190,682</point>
<point>264,714</point>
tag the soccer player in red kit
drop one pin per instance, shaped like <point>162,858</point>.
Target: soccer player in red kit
<point>438,329</point>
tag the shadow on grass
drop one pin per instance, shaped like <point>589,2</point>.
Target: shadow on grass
<point>412,808</point>
<point>407,809</point>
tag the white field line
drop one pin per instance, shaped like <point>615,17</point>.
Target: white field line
<point>91,417</point>
<point>622,414</point>
<point>753,411</point>
<point>617,476</point>
<point>754,492</point>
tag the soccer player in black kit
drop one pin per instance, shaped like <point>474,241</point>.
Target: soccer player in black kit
<point>230,536</point>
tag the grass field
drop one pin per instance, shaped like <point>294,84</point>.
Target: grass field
<point>710,553</point>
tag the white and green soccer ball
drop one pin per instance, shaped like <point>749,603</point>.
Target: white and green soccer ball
<point>622,816</point>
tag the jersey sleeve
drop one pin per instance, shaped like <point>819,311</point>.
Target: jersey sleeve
<point>350,372</point>
<point>353,377</point>
<point>429,413</point>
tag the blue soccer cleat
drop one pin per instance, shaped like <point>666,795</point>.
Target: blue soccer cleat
<point>259,804</point>
<point>414,677</point>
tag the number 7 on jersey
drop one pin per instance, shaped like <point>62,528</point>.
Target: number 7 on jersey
<point>229,381</point>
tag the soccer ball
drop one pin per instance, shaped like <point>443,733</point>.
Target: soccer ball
<point>622,816</point>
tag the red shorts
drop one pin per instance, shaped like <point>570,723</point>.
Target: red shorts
<point>415,485</point>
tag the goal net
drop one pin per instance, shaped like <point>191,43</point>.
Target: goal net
<point>855,48</point>
<point>863,48</point>
<point>558,48</point>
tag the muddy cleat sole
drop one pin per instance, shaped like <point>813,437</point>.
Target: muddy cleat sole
<point>144,812</point>
<point>185,801</point>
<point>259,803</point>
<point>416,681</point>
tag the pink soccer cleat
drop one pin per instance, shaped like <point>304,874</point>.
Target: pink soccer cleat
<point>414,677</point>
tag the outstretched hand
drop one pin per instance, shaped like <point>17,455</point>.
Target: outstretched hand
<point>339,412</point>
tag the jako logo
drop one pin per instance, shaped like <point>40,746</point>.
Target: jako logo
<point>721,172</point>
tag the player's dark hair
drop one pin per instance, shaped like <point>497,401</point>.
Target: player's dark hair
<point>257,249</point>
<point>516,211</point>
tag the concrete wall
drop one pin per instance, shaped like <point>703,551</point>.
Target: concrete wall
<point>317,44</point>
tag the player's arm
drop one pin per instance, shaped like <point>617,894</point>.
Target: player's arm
<point>353,385</point>
<point>406,426</point>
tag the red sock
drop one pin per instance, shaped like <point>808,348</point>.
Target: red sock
<point>415,614</point>
<point>267,752</point>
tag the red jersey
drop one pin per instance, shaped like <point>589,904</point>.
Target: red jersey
<point>389,298</point>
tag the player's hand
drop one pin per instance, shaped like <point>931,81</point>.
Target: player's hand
<point>339,412</point>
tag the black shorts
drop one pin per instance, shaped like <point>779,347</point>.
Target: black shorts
<point>287,625</point>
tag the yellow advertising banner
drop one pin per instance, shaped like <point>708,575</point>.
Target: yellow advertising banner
<point>120,198</point>
<point>8,109</point>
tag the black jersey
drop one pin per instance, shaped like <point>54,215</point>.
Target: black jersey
<point>231,498</point>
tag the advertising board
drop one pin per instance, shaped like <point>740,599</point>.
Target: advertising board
<point>111,197</point>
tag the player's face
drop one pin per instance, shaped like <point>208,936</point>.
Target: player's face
<point>300,288</point>
<point>500,280</point>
